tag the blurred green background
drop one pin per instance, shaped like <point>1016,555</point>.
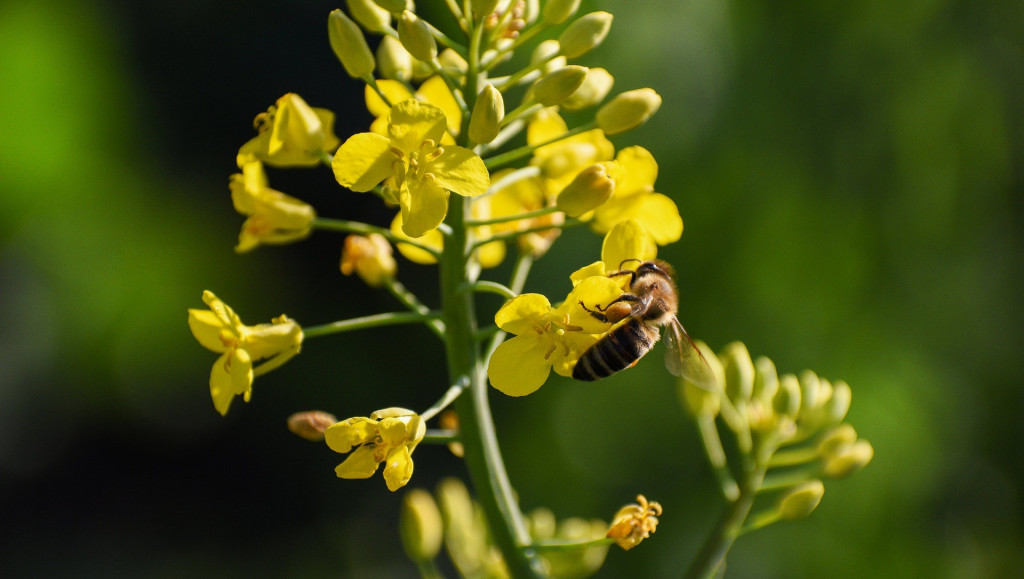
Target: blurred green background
<point>850,175</point>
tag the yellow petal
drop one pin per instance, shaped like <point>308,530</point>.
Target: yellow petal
<point>627,240</point>
<point>432,239</point>
<point>411,122</point>
<point>342,436</point>
<point>593,292</point>
<point>461,171</point>
<point>207,328</point>
<point>221,388</point>
<point>394,90</point>
<point>640,171</point>
<point>359,464</point>
<point>523,313</point>
<point>436,92</point>
<point>654,211</point>
<point>424,205</point>
<point>518,366</point>
<point>363,161</point>
<point>398,469</point>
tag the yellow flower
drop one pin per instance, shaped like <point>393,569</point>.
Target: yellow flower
<point>417,172</point>
<point>524,196</point>
<point>389,435</point>
<point>291,134</point>
<point>635,198</point>
<point>546,338</point>
<point>487,255</point>
<point>433,91</point>
<point>274,218</point>
<point>370,257</point>
<point>634,523</point>
<point>560,161</point>
<point>219,329</point>
<point>626,246</point>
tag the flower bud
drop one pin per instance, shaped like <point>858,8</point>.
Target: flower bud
<point>628,110</point>
<point>311,425</point>
<point>585,34</point>
<point>395,61</point>
<point>810,391</point>
<point>370,15</point>
<point>766,379</point>
<point>558,85</point>
<point>847,460</point>
<point>838,405</point>
<point>840,436</point>
<point>369,257</point>
<point>483,8</point>
<point>488,111</point>
<point>787,400</point>
<point>698,400</point>
<point>349,45</point>
<point>590,189</point>
<point>558,11</point>
<point>393,6</point>
<point>547,51</point>
<point>739,372</point>
<point>420,524</point>
<point>801,500</point>
<point>452,63</point>
<point>416,37</point>
<point>595,87</point>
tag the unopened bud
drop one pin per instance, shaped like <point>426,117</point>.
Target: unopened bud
<point>394,6</point>
<point>701,401</point>
<point>311,425</point>
<point>847,460</point>
<point>595,87</point>
<point>416,37</point>
<point>395,61</point>
<point>739,372</point>
<point>452,63</point>
<point>545,51</point>
<point>558,11</point>
<point>559,85</point>
<point>810,391</point>
<point>488,111</point>
<point>801,500</point>
<point>839,437</point>
<point>585,34</point>
<point>483,8</point>
<point>838,404</point>
<point>370,257</point>
<point>371,16</point>
<point>420,524</point>
<point>349,45</point>
<point>628,110</point>
<point>787,400</point>
<point>590,189</point>
<point>766,379</point>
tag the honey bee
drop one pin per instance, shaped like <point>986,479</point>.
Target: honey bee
<point>652,301</point>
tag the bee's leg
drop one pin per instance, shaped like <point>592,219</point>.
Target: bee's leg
<point>629,272</point>
<point>599,312</point>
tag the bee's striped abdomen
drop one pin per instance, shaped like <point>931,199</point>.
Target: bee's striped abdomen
<point>617,351</point>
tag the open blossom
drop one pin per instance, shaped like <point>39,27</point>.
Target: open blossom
<point>388,436</point>
<point>417,172</point>
<point>273,217</point>
<point>635,198</point>
<point>433,91</point>
<point>634,523</point>
<point>626,246</point>
<point>546,338</point>
<point>291,134</point>
<point>220,330</point>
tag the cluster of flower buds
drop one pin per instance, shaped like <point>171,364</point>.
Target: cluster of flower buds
<point>788,431</point>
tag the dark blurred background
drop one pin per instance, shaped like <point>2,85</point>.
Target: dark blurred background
<point>850,175</point>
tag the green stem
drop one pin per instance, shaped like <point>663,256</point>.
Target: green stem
<point>491,287</point>
<point>527,150</point>
<point>507,218</point>
<point>428,569</point>
<point>435,436</point>
<point>562,546</point>
<point>409,299</point>
<point>508,235</point>
<point>446,400</point>
<point>361,228</point>
<point>374,321</point>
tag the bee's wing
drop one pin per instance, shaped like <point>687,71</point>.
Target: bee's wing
<point>683,358</point>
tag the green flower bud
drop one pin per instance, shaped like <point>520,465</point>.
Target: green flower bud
<point>766,379</point>
<point>349,45</point>
<point>483,8</point>
<point>545,51</point>
<point>558,85</point>
<point>846,460</point>
<point>787,400</point>
<point>420,524</point>
<point>839,437</point>
<point>739,372</point>
<point>558,11</point>
<point>839,404</point>
<point>394,6</point>
<point>395,61</point>
<point>416,37</point>
<point>585,34</point>
<point>542,524</point>
<point>591,188</point>
<point>810,391</point>
<point>699,401</point>
<point>628,110</point>
<point>801,500</point>
<point>488,111</point>
<point>595,87</point>
<point>371,16</point>
<point>453,64</point>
